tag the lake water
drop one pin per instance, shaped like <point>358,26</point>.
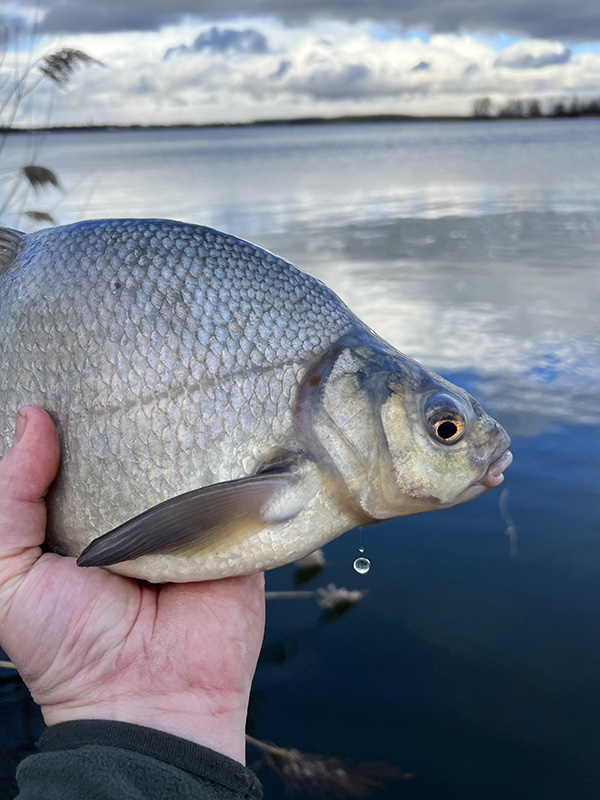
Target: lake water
<point>474,662</point>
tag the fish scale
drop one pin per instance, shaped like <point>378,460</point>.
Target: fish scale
<point>81,306</point>
<point>213,400</point>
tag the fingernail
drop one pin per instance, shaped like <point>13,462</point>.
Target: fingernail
<point>20,426</point>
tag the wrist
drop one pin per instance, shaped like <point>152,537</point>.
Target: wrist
<point>217,723</point>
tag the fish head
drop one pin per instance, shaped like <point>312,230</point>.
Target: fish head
<point>399,439</point>
<point>443,448</point>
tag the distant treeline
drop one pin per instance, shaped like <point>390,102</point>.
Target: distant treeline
<point>530,108</point>
<point>483,108</point>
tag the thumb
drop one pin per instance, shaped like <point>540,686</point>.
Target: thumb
<point>26,472</point>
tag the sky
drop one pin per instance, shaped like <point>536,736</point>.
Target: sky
<point>180,61</point>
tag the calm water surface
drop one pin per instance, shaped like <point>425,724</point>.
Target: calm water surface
<point>474,248</point>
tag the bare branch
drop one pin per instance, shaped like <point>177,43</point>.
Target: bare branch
<point>328,597</point>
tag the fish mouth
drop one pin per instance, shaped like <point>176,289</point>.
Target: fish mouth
<point>494,477</point>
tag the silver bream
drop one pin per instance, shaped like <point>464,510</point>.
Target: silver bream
<point>221,411</point>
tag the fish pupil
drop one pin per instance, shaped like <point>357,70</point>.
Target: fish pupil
<point>446,430</point>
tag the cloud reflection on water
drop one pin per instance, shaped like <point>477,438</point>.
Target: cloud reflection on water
<point>513,298</point>
<point>471,247</point>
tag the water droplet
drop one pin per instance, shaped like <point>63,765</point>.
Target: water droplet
<point>362,565</point>
<point>361,544</point>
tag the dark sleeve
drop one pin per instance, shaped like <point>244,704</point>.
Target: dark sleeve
<point>104,760</point>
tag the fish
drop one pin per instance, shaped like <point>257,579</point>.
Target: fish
<point>220,411</point>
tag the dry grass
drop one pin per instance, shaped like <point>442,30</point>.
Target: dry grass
<point>322,776</point>
<point>60,65</point>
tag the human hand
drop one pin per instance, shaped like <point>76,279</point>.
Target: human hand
<point>91,644</point>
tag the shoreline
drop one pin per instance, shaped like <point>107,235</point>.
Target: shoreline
<point>292,122</point>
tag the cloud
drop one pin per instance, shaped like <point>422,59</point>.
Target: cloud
<point>145,85</point>
<point>533,55</point>
<point>284,66</point>
<point>576,20</point>
<point>333,83</point>
<point>225,40</point>
<point>266,70</point>
<point>356,71</point>
<point>105,16</point>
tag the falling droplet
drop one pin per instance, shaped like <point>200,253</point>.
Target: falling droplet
<point>362,565</point>
<point>361,544</point>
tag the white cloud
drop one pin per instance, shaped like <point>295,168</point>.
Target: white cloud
<point>229,72</point>
<point>533,55</point>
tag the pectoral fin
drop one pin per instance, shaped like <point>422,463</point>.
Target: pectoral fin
<point>203,519</point>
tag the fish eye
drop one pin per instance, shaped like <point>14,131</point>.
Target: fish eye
<point>445,419</point>
<point>448,430</point>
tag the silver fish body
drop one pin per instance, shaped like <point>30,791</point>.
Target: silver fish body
<point>221,411</point>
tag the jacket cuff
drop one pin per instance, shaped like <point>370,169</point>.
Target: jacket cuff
<point>199,761</point>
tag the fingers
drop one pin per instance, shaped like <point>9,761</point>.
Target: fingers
<point>26,472</point>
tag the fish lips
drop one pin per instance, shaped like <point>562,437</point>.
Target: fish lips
<point>500,460</point>
<point>494,475</point>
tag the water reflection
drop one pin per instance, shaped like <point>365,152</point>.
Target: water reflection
<point>469,247</point>
<point>20,727</point>
<point>475,249</point>
<point>326,175</point>
<point>513,298</point>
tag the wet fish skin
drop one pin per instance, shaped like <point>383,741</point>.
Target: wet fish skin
<point>180,361</point>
